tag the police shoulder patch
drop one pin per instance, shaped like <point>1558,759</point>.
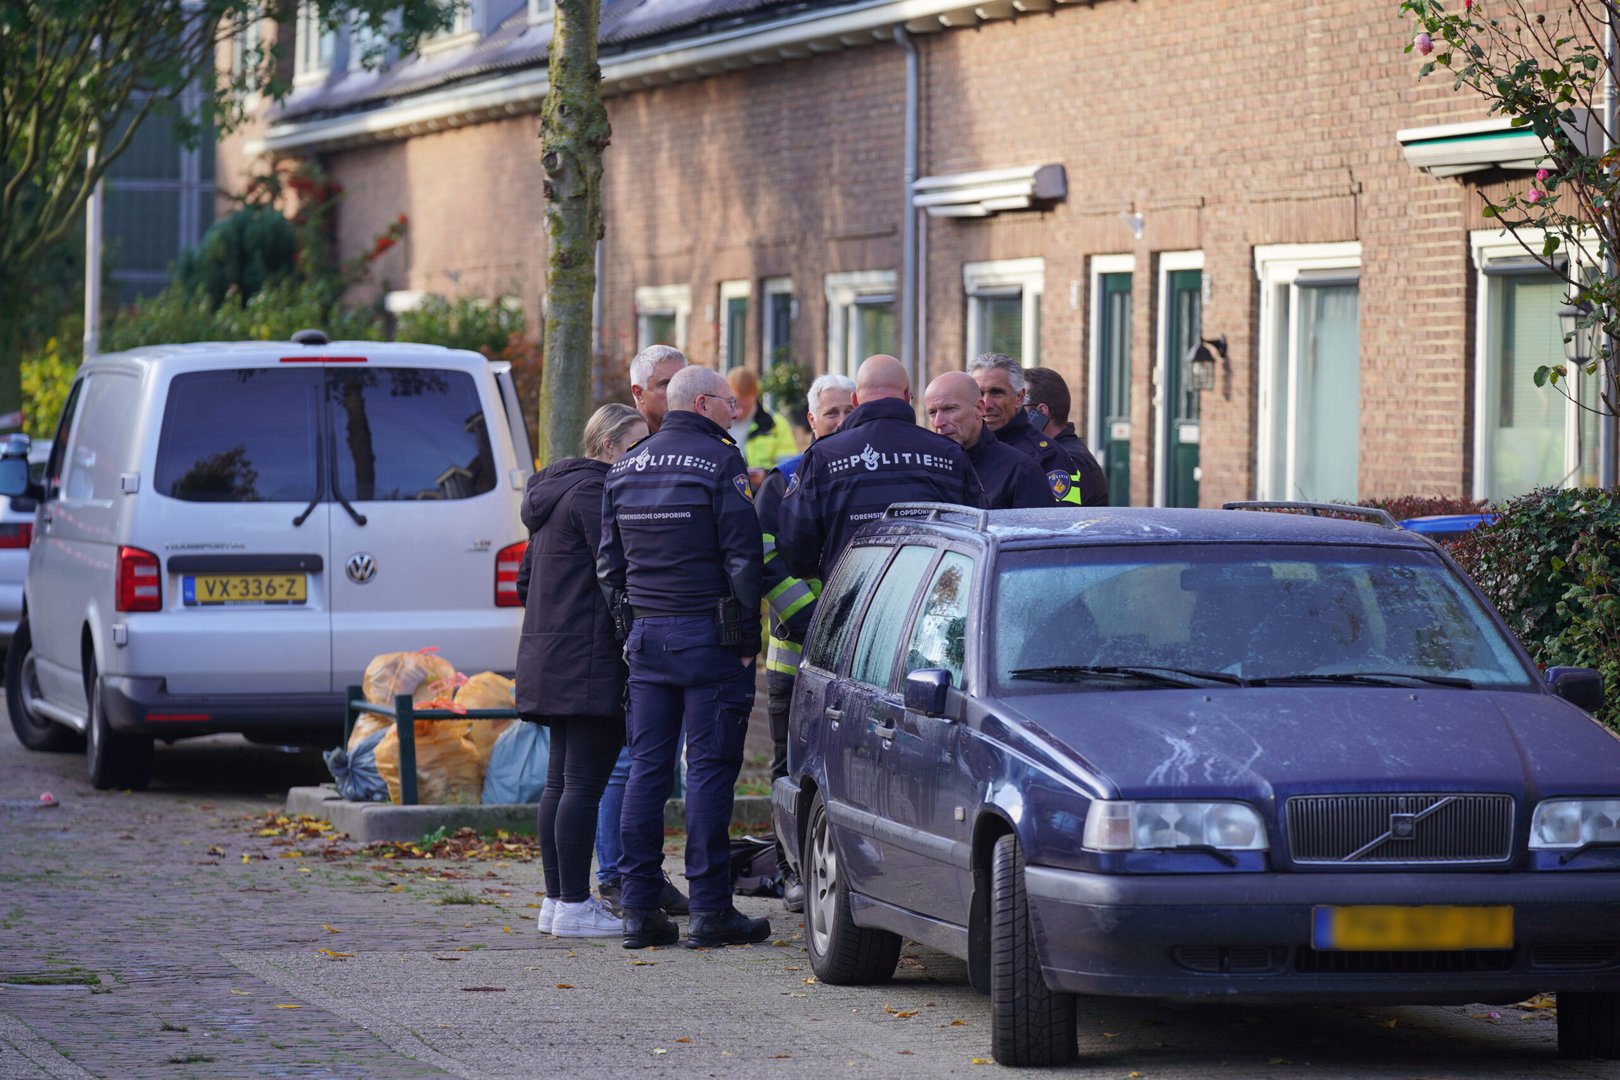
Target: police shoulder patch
<point>1059,481</point>
<point>741,482</point>
<point>793,484</point>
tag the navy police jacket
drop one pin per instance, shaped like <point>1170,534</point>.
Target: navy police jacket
<point>678,524</point>
<point>878,456</point>
<point>1011,480</point>
<point>1021,435</point>
<point>1093,481</point>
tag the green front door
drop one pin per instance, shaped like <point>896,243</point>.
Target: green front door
<point>1179,458</point>
<point>1114,393</point>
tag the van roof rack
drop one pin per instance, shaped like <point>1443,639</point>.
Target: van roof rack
<point>976,519</point>
<point>1373,514</point>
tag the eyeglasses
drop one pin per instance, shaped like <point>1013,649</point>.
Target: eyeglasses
<point>731,402</point>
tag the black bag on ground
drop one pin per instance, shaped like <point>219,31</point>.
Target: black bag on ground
<point>753,866</point>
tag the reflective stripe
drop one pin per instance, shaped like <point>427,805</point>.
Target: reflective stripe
<point>782,656</point>
<point>788,597</point>
<point>1072,496</point>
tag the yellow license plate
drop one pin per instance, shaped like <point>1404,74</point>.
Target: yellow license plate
<point>1395,928</point>
<point>206,589</point>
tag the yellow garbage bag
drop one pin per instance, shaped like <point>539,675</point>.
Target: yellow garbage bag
<point>486,690</point>
<point>448,768</point>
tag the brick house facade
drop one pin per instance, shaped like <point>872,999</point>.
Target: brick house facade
<point>1232,171</point>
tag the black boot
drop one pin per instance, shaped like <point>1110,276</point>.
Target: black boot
<point>711,929</point>
<point>792,891</point>
<point>672,900</point>
<point>643,928</point>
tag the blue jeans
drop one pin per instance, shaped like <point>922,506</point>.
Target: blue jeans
<point>608,847</point>
<point>682,678</point>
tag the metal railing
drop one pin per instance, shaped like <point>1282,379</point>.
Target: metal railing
<point>404,713</point>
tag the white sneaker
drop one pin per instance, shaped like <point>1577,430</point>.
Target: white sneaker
<point>586,919</point>
<point>548,914</point>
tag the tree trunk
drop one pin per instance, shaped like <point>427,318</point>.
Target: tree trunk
<point>573,133</point>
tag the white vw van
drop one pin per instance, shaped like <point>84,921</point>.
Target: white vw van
<point>228,532</point>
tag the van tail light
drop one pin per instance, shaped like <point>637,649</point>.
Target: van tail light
<point>19,535</point>
<point>507,562</point>
<point>138,584</point>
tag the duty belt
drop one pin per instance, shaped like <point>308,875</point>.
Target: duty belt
<point>649,613</point>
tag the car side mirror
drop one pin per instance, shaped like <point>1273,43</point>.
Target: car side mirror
<point>926,690</point>
<point>1581,687</point>
<point>14,479</point>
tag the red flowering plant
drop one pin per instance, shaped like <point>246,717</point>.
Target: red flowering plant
<point>1544,67</point>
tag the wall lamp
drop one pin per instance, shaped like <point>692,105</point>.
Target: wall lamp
<point>1578,339</point>
<point>1200,361</point>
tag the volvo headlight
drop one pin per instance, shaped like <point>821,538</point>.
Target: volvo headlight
<point>1135,826</point>
<point>1572,823</point>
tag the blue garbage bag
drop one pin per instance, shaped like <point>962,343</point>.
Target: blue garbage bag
<point>517,764</point>
<point>356,770</point>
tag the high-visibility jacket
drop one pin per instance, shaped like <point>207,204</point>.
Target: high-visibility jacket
<point>790,600</point>
<point>770,440</point>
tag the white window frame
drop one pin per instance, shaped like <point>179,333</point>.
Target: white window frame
<point>655,300</point>
<point>464,31</point>
<point>983,280</point>
<point>1492,245</point>
<point>843,290</point>
<point>1278,267</point>
<point>731,290</point>
<point>357,45</point>
<point>770,287</point>
<point>541,11</point>
<point>1169,263</point>
<point>1100,265</point>
<point>308,67</point>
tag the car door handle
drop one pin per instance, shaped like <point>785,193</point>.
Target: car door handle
<point>884,732</point>
<point>833,714</point>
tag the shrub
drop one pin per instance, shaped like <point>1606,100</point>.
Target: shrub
<point>1550,565</point>
<point>244,251</point>
<point>46,377</point>
<point>273,313</point>
<point>467,322</point>
<point>1402,507</point>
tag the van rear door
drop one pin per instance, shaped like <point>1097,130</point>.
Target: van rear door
<point>237,517</point>
<point>423,504</point>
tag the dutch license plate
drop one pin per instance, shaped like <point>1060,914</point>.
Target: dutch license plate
<point>1395,928</point>
<point>206,589</point>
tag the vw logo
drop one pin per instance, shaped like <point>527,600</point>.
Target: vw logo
<point>361,567</point>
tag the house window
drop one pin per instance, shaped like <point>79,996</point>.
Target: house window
<point>860,318</point>
<point>734,323</point>
<point>1310,371</point>
<point>367,46</point>
<point>540,11</point>
<point>314,45</point>
<point>1109,428</point>
<point>662,312</point>
<point>1004,308</point>
<point>247,49</point>
<point>1525,436</point>
<point>776,316</point>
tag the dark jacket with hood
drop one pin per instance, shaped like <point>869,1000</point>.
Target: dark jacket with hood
<point>568,663</point>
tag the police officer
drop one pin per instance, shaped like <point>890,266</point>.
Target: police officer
<point>1046,401</point>
<point>791,600</point>
<point>1001,386</point>
<point>878,457</point>
<point>680,561</point>
<point>956,411</point>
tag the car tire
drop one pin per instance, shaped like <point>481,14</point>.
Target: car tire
<point>1589,1024</point>
<point>33,731</point>
<point>840,952</point>
<point>115,760</point>
<point>1031,1024</point>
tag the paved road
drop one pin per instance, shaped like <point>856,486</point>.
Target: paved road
<point>208,965</point>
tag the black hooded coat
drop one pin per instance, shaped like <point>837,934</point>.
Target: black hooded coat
<point>569,663</point>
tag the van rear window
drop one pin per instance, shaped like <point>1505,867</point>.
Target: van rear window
<point>408,433</point>
<point>243,435</point>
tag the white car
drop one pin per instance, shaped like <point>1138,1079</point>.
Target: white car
<point>228,532</point>
<point>16,533</point>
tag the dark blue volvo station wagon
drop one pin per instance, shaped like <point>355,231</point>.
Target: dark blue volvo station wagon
<point>1196,754</point>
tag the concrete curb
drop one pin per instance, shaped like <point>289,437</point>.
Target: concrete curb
<point>369,823</point>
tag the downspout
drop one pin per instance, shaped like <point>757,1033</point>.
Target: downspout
<point>908,231</point>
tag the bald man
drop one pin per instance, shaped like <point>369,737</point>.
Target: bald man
<point>877,457</point>
<point>956,411</point>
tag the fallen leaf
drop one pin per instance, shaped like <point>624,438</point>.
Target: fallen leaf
<point>565,986</point>
<point>289,1006</point>
<point>330,929</point>
<point>905,1014</point>
<point>1134,1076</point>
<point>246,857</point>
<point>336,955</point>
<point>659,1050</point>
<point>957,1023</point>
<point>683,1039</point>
<point>506,929</point>
<point>1110,1034</point>
<point>242,993</point>
<point>449,959</point>
<point>485,989</point>
<point>779,1057</point>
<point>978,1061</point>
<point>643,963</point>
<point>303,870</point>
<point>811,981</point>
<point>216,850</point>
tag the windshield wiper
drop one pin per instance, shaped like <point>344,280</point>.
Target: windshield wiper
<point>1163,676</point>
<point>301,518</point>
<point>1366,678</point>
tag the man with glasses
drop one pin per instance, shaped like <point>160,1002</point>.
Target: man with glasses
<point>680,564</point>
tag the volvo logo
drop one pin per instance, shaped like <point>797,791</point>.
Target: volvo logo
<point>361,567</point>
<point>1402,826</point>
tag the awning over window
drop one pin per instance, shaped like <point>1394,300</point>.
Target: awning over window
<point>991,191</point>
<point>1453,149</point>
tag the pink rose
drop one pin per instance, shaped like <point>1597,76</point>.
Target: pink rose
<point>1542,174</point>
<point>1424,44</point>
<point>1532,196</point>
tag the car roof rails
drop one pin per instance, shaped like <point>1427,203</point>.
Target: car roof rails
<point>978,520</point>
<point>1382,518</point>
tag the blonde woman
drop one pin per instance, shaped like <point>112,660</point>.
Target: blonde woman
<point>570,669</point>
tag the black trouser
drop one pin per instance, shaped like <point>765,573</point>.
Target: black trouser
<point>583,749</point>
<point>778,695</point>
